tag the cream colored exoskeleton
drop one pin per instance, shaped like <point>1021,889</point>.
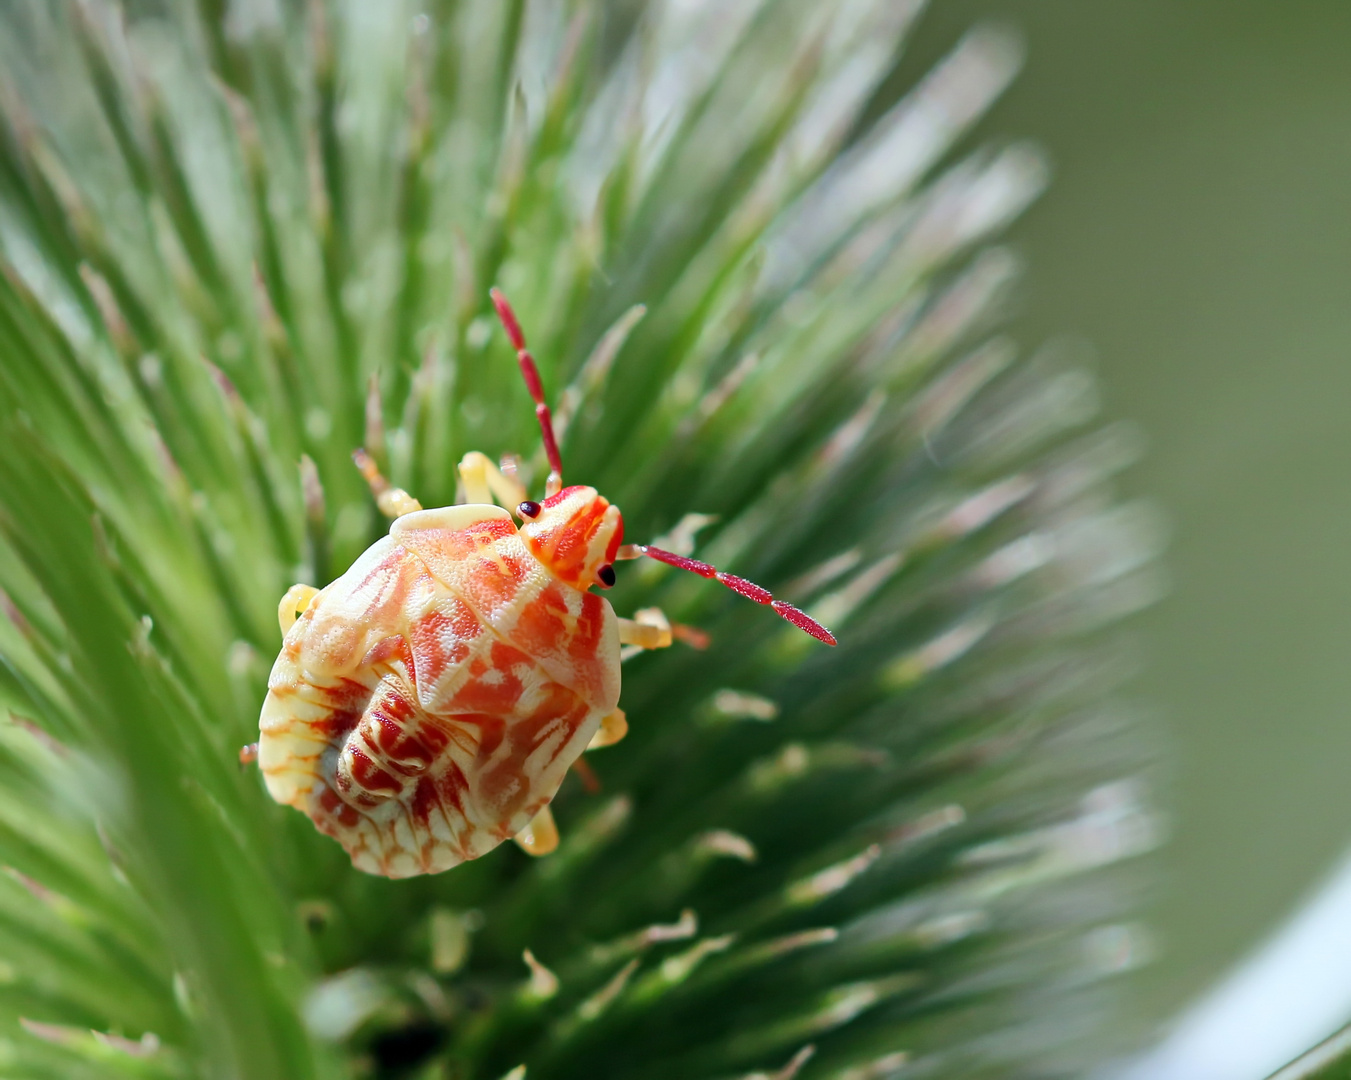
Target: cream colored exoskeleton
<point>427,704</point>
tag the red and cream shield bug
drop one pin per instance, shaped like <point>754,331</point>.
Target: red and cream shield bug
<point>427,704</point>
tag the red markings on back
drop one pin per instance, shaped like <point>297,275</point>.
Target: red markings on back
<point>505,657</point>
<point>590,623</point>
<point>494,688</point>
<point>489,584</point>
<point>493,528</point>
<point>441,640</point>
<point>458,544</point>
<point>542,627</point>
<point>558,703</point>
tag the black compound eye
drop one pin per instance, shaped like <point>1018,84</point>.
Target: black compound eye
<point>528,509</point>
<point>607,575</point>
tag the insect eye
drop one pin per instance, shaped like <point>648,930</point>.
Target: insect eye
<point>528,509</point>
<point>607,575</point>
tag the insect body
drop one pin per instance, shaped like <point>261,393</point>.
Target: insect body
<point>427,704</point>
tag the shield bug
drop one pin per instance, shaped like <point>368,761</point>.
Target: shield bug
<point>427,704</point>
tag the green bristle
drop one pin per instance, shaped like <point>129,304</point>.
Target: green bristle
<point>240,240</point>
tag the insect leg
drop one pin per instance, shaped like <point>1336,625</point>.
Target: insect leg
<point>613,727</point>
<point>296,600</point>
<point>483,481</point>
<point>541,836</point>
<point>650,629</point>
<point>393,502</point>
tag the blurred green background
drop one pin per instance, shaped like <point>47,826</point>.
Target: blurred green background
<point>1198,234</point>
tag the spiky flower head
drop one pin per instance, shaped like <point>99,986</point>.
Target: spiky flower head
<point>239,240</point>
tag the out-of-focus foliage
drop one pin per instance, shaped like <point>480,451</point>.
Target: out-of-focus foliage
<point>241,239</point>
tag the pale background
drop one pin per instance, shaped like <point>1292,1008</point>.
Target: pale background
<point>1198,233</point>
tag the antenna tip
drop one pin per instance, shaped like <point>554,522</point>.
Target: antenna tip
<point>804,622</point>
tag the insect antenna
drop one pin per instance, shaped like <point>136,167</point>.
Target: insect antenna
<point>531,373</point>
<point>749,589</point>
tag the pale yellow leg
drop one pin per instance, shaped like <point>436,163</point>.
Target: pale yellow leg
<point>651,629</point>
<point>483,481</point>
<point>648,629</point>
<point>541,836</point>
<point>613,727</point>
<point>296,600</point>
<point>393,502</point>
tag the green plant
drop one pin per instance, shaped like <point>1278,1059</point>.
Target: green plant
<point>240,240</point>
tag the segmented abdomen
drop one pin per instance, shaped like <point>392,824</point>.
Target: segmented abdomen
<point>429,702</point>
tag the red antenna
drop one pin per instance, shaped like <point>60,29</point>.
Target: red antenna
<point>546,423</point>
<point>749,589</point>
